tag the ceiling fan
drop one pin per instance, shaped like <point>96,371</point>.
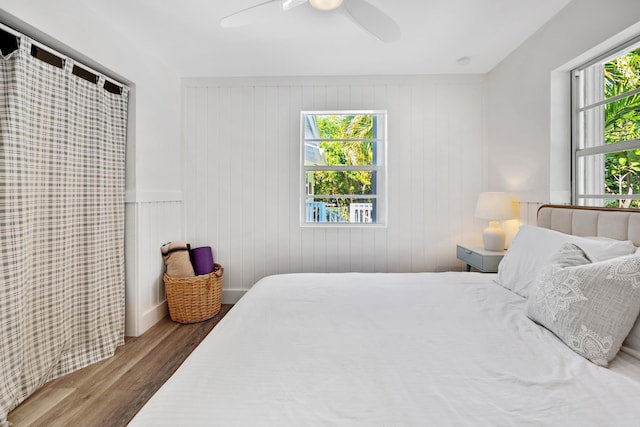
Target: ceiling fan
<point>367,16</point>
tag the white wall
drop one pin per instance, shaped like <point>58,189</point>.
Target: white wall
<point>153,152</point>
<point>529,110</point>
<point>443,150</point>
<point>242,173</point>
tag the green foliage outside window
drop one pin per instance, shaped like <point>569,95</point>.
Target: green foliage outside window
<point>352,145</point>
<point>622,123</point>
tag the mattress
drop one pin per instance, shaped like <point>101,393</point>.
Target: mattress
<point>353,349</point>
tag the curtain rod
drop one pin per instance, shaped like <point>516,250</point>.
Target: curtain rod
<point>63,56</point>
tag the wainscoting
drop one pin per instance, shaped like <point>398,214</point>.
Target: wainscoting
<point>149,224</point>
<point>157,222</point>
<point>241,165</point>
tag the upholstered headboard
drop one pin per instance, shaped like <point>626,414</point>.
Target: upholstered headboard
<point>620,224</point>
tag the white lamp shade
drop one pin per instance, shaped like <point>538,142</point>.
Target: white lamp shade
<point>494,206</point>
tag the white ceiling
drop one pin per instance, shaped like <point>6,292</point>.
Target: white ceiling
<point>303,41</point>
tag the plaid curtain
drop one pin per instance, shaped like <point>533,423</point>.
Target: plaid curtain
<point>62,166</point>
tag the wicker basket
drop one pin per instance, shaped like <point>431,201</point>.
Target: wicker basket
<point>194,299</point>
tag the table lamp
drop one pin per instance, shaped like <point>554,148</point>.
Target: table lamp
<point>494,206</point>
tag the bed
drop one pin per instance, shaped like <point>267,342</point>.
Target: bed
<point>416,349</point>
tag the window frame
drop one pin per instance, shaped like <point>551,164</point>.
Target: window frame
<point>578,134</point>
<point>380,168</point>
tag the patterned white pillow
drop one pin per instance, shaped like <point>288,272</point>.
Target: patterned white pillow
<point>591,307</point>
<point>533,247</point>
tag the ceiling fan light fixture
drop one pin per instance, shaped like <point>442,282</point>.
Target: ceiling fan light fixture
<point>325,4</point>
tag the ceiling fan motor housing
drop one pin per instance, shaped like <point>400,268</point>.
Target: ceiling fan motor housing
<point>325,4</point>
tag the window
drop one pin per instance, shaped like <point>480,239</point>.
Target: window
<point>343,168</point>
<point>606,129</point>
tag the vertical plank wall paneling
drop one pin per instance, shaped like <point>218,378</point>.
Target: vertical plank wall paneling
<point>528,212</point>
<point>241,165</point>
<point>149,224</point>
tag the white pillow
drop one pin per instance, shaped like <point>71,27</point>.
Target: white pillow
<point>590,306</point>
<point>533,247</point>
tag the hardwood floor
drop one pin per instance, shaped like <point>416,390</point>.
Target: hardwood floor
<point>111,392</point>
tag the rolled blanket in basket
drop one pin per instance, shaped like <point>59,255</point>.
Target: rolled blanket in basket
<point>202,260</point>
<point>176,259</point>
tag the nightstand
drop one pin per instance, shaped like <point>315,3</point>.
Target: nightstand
<point>478,257</point>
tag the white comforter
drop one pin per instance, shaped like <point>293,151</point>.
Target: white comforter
<point>430,349</point>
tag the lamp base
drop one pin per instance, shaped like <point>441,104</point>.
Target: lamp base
<point>493,237</point>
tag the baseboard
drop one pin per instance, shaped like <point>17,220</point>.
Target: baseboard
<point>157,313</point>
<point>232,296</point>
<point>153,316</point>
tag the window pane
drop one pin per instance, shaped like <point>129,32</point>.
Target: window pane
<point>611,173</point>
<point>346,126</point>
<point>348,139</point>
<point>591,124</point>
<point>348,153</point>
<point>622,119</point>
<point>311,130</point>
<point>340,210</point>
<point>341,182</point>
<point>621,74</point>
<point>615,77</point>
<point>340,153</point>
<point>592,90</point>
<point>313,154</point>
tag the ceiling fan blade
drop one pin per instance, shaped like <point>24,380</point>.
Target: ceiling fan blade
<point>250,14</point>
<point>290,4</point>
<point>373,20</point>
